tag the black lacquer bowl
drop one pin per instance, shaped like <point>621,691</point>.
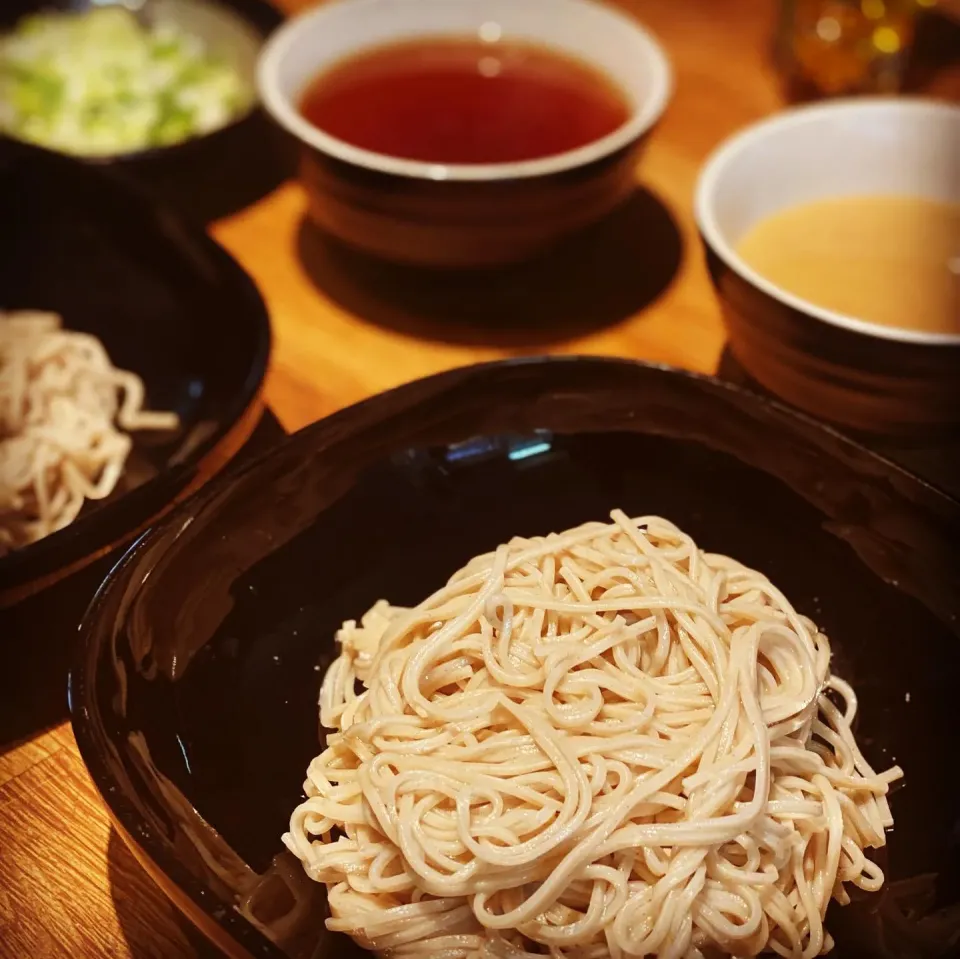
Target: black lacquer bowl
<point>167,303</point>
<point>194,693</point>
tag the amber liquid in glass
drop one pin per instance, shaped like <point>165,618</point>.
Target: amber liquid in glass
<point>835,47</point>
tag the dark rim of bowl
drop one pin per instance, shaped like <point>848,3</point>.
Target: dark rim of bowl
<point>264,18</point>
<point>82,703</point>
<point>68,549</point>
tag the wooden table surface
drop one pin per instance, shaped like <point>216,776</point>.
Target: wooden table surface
<point>344,329</point>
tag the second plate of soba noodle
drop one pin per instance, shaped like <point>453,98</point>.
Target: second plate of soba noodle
<point>132,349</point>
<point>66,419</point>
<point>576,659</point>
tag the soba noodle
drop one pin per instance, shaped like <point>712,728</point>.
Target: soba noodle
<point>602,743</point>
<point>61,403</point>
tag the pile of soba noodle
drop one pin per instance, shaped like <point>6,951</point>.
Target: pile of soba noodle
<point>64,413</point>
<point>602,743</point>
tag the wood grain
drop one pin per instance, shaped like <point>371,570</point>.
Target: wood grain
<point>345,329</point>
<point>68,887</point>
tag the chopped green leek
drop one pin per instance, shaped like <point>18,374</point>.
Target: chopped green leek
<point>100,83</point>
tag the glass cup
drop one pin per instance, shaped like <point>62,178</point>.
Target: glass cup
<point>837,47</point>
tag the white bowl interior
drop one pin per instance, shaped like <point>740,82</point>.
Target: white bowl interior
<point>857,147</point>
<point>594,33</point>
<point>849,148</point>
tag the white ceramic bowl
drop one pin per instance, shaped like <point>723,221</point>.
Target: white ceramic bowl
<point>838,367</point>
<point>463,214</point>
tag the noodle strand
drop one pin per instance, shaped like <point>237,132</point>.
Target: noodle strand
<point>61,402</point>
<point>601,744</point>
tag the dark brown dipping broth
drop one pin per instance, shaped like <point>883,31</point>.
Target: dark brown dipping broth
<point>450,100</point>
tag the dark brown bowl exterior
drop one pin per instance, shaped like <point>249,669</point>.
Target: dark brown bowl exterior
<point>461,223</point>
<point>218,174</point>
<point>194,691</point>
<point>868,383</point>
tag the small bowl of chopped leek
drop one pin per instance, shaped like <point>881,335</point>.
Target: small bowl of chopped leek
<point>162,88</point>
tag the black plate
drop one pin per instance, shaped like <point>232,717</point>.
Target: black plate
<point>166,301</point>
<point>210,176</point>
<point>214,657</point>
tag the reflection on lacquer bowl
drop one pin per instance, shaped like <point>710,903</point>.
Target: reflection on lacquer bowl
<point>464,213</point>
<point>196,679</point>
<point>877,378</point>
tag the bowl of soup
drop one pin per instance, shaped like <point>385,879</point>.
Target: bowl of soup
<point>832,235</point>
<point>463,132</point>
